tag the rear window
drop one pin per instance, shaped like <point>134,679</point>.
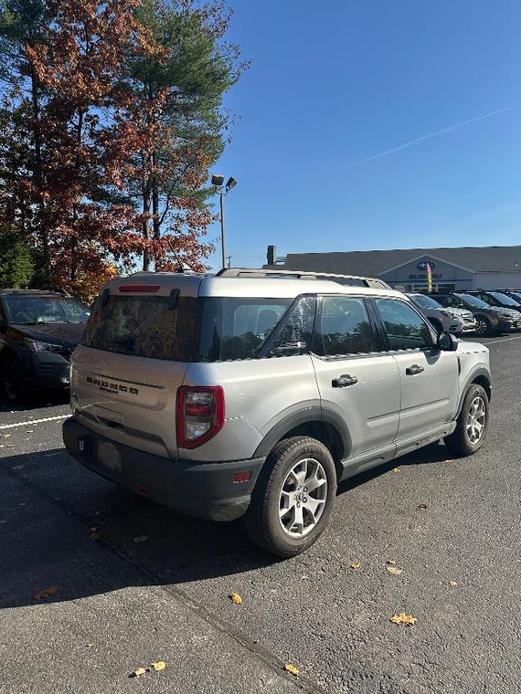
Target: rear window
<point>143,327</point>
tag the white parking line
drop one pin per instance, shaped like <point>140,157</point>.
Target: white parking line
<point>507,339</point>
<point>34,421</point>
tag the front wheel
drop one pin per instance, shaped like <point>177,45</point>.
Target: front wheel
<point>483,326</point>
<point>471,430</point>
<point>293,497</point>
<point>12,378</point>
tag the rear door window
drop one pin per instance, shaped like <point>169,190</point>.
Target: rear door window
<point>143,326</point>
<point>344,327</point>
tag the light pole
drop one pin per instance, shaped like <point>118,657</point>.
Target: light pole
<point>223,189</point>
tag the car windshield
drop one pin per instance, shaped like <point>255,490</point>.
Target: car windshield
<point>473,300</point>
<point>28,310</point>
<point>425,301</point>
<point>504,299</point>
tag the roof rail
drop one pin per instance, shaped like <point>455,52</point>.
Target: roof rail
<point>253,273</point>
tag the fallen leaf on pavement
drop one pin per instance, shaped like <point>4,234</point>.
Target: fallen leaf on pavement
<point>396,469</point>
<point>140,671</point>
<point>159,665</point>
<point>141,538</point>
<point>393,570</point>
<point>449,461</point>
<point>453,584</point>
<point>7,436</point>
<point>292,669</point>
<point>236,598</point>
<point>356,565</point>
<point>46,593</point>
<point>403,618</point>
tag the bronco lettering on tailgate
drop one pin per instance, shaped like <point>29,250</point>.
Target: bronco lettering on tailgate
<point>110,387</point>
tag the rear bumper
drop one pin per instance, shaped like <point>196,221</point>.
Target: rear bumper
<point>205,490</point>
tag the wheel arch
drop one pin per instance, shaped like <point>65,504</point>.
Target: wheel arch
<point>322,424</point>
<point>480,377</point>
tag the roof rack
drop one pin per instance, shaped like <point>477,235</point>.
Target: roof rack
<point>254,273</point>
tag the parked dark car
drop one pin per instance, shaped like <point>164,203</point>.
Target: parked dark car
<point>441,320</point>
<point>498,299</point>
<point>491,320</point>
<point>38,332</point>
<point>513,294</point>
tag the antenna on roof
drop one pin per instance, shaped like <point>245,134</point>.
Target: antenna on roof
<point>181,267</point>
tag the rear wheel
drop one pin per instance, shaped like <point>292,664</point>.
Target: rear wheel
<point>483,326</point>
<point>293,498</point>
<point>471,430</point>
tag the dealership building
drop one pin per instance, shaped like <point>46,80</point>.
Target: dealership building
<point>453,269</point>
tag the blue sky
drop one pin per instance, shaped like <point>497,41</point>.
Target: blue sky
<point>335,82</point>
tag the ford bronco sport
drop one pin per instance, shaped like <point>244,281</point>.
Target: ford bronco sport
<point>227,396</point>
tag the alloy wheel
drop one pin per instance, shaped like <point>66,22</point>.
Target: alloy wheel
<point>476,420</point>
<point>481,327</point>
<point>303,497</point>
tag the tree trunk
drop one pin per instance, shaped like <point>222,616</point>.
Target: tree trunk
<point>37,173</point>
<point>146,215</point>
<point>155,201</point>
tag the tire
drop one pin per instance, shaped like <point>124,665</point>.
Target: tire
<point>462,441</point>
<point>483,326</point>
<point>294,460</point>
<point>11,378</point>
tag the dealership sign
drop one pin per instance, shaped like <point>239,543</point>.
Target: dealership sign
<point>425,264</point>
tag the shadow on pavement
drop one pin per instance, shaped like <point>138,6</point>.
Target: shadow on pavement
<point>34,400</point>
<point>434,453</point>
<point>51,506</point>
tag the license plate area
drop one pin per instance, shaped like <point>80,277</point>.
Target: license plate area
<point>109,456</point>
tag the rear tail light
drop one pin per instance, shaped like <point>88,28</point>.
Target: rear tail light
<point>200,414</point>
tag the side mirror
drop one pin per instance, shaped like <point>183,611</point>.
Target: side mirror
<point>447,342</point>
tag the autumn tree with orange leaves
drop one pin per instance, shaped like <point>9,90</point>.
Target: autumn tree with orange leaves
<point>113,114</point>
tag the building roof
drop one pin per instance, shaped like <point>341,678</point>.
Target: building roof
<point>373,263</point>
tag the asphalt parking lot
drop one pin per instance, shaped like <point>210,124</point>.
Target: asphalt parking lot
<point>136,583</point>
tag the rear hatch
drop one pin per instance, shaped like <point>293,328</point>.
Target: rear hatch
<point>134,356</point>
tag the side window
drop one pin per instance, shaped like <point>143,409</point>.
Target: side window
<point>344,327</point>
<point>295,333</point>
<point>405,328</point>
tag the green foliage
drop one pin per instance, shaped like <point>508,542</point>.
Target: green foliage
<point>16,262</point>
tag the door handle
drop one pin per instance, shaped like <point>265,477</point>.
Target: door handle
<point>414,369</point>
<point>344,381</point>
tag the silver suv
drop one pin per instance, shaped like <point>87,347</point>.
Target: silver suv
<point>228,396</point>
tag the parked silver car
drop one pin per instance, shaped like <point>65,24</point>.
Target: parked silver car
<point>228,396</point>
<point>444,319</point>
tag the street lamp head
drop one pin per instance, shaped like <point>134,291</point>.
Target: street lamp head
<point>217,180</point>
<point>230,183</point>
